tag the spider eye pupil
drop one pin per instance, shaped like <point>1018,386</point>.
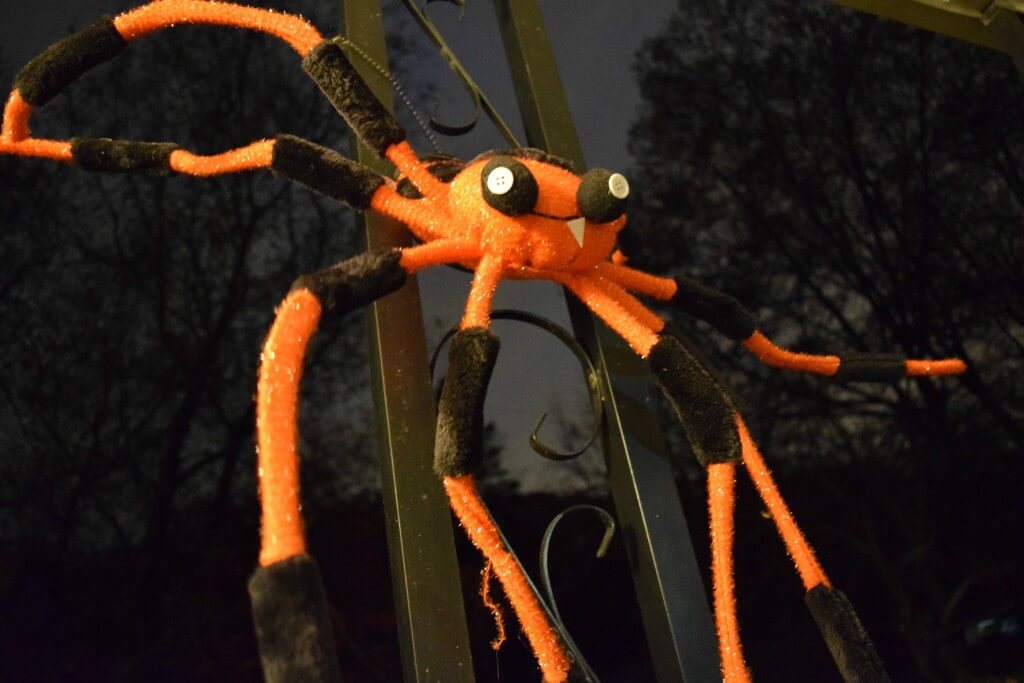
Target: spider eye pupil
<point>601,196</point>
<point>508,186</point>
<point>500,180</point>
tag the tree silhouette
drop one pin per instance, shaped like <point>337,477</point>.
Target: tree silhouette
<point>133,312</point>
<point>856,184</point>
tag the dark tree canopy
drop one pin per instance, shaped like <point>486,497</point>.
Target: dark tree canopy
<point>857,184</point>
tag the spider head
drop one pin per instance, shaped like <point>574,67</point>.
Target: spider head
<point>555,218</point>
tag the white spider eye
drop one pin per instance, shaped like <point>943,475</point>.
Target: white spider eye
<point>618,186</point>
<point>500,180</point>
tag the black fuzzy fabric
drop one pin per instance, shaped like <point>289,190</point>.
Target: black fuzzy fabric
<point>293,628</point>
<point>123,156</point>
<point>703,406</point>
<point>531,153</point>
<point>849,643</point>
<point>356,282</point>
<point>328,66</point>
<point>594,199</point>
<point>444,169</point>
<point>721,311</point>
<point>521,197</point>
<point>458,447</point>
<point>60,64</point>
<point>870,367</point>
<point>325,171</point>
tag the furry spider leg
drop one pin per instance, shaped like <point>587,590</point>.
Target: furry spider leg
<point>719,438</point>
<point>287,592</point>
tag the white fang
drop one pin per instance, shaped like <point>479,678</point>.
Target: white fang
<point>576,228</point>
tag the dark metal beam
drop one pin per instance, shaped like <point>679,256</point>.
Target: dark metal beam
<point>432,628</point>
<point>675,610</point>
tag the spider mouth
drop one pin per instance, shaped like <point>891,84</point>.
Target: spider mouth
<point>576,226</point>
<point>574,223</point>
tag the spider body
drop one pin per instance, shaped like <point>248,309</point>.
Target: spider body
<point>551,237</point>
<point>518,214</point>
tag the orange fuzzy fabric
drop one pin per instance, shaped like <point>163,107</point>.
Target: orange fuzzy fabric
<point>721,504</point>
<point>770,354</point>
<point>799,549</point>
<point>483,533</point>
<point>295,31</point>
<point>282,535</point>
<point>16,113</point>
<point>252,156</point>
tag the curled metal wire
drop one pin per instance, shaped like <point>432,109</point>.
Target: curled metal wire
<point>480,101</point>
<point>545,575</point>
<point>589,375</point>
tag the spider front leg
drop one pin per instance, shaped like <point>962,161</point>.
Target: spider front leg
<point>457,458</point>
<point>727,315</point>
<point>289,607</point>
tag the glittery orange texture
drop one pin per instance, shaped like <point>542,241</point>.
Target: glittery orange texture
<point>721,503</point>
<point>282,535</point>
<point>255,155</point>
<point>16,113</point>
<point>296,31</point>
<point>477,522</point>
<point>770,354</point>
<point>811,573</point>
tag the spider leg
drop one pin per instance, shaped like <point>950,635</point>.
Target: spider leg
<point>845,636</point>
<point>719,438</point>
<point>458,456</point>
<point>63,62</point>
<point>334,74</point>
<point>729,317</point>
<point>289,607</point>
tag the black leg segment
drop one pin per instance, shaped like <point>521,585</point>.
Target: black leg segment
<point>856,366</point>
<point>849,643</point>
<point>721,311</point>
<point>366,116</point>
<point>123,156</point>
<point>458,447</point>
<point>356,282</point>
<point>325,171</point>
<point>705,409</point>
<point>293,628</point>
<point>63,62</point>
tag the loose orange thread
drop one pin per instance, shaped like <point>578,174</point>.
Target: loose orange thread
<point>499,620</point>
<point>483,533</point>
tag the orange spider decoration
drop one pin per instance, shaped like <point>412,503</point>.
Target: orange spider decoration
<point>518,214</point>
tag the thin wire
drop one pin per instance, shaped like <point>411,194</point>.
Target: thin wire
<point>545,575</point>
<point>396,85</point>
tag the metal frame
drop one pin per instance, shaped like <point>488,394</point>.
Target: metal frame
<point>428,599</point>
<point>433,636</point>
<point>666,575</point>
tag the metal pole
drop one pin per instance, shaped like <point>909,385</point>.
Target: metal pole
<point>433,636</point>
<point>668,583</point>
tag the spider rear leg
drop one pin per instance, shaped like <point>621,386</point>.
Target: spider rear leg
<point>719,438</point>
